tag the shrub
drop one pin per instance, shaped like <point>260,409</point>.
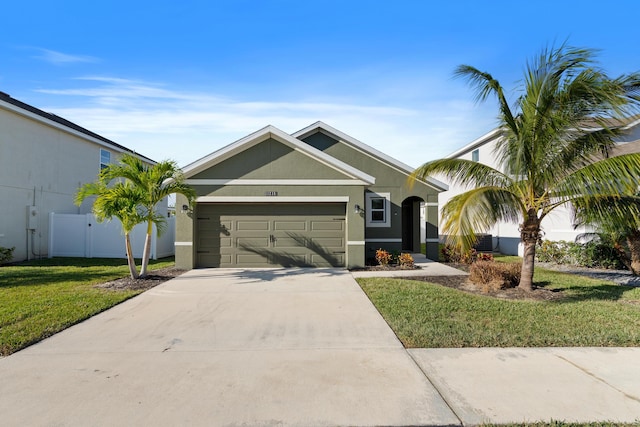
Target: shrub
<point>383,257</point>
<point>483,256</point>
<point>455,255</point>
<point>405,260</point>
<point>6,254</point>
<point>594,254</point>
<point>493,276</point>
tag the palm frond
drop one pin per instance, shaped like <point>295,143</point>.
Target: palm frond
<point>484,85</point>
<point>463,172</point>
<point>475,211</point>
<point>615,176</point>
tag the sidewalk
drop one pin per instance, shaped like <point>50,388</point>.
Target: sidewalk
<point>517,385</point>
<point>427,268</point>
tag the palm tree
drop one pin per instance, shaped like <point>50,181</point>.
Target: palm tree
<point>154,184</point>
<point>122,201</point>
<point>559,126</point>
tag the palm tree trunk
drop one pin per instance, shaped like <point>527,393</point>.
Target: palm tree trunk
<point>633,241</point>
<point>529,234</point>
<point>146,253</point>
<point>130,260</point>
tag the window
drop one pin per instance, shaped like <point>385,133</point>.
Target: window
<point>475,155</point>
<point>105,158</point>
<point>377,210</point>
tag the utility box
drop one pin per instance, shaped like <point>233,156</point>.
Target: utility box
<point>32,217</point>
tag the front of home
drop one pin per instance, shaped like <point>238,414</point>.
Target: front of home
<point>314,198</point>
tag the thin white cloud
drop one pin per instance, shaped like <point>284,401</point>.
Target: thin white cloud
<point>163,123</point>
<point>59,58</point>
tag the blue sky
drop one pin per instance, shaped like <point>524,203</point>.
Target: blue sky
<point>178,80</point>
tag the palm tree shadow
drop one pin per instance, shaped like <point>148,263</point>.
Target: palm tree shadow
<point>604,291</point>
<point>288,259</point>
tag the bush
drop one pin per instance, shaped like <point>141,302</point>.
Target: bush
<point>455,255</point>
<point>493,276</point>
<point>405,260</point>
<point>6,254</point>
<point>383,257</point>
<point>594,254</point>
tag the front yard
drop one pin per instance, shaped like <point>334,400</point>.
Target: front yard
<point>40,298</point>
<point>588,312</point>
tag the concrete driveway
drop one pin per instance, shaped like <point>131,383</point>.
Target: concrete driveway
<point>226,347</point>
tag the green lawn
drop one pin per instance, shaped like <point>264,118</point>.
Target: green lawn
<point>40,298</point>
<point>592,313</point>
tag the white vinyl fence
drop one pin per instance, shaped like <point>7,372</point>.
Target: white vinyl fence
<point>83,237</point>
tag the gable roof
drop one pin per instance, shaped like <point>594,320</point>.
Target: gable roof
<point>23,109</point>
<point>330,131</point>
<point>271,132</point>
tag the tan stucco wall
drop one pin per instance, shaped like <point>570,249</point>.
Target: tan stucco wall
<point>44,166</point>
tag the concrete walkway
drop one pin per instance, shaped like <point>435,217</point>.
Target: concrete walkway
<point>426,266</point>
<point>293,347</point>
<point>226,347</point>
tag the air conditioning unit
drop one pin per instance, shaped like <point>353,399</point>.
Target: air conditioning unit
<point>485,243</point>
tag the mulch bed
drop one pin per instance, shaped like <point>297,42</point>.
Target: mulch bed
<point>154,279</point>
<point>462,283</point>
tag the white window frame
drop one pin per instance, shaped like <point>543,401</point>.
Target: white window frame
<point>103,165</point>
<point>387,210</point>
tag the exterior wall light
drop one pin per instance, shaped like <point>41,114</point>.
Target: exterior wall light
<point>357,209</point>
<point>185,208</point>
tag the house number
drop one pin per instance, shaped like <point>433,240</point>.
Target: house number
<point>270,193</point>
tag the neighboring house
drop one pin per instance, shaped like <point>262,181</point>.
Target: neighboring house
<point>44,159</point>
<point>505,237</point>
<point>317,197</point>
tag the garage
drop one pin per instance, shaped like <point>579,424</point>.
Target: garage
<point>270,235</point>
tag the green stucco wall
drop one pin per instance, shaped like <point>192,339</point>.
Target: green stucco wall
<point>388,180</point>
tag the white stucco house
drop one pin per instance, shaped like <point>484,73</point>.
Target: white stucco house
<point>505,237</point>
<point>44,159</point>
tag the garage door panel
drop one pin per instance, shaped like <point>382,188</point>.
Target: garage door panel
<point>320,261</point>
<point>246,225</point>
<point>288,235</point>
<point>289,243</point>
<point>252,242</point>
<point>329,242</point>
<point>213,259</point>
<point>251,259</point>
<point>290,225</point>
<point>327,225</point>
<point>208,243</point>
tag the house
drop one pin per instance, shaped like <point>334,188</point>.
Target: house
<point>317,197</point>
<point>44,159</point>
<point>558,225</point>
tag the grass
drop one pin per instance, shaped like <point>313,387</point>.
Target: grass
<point>40,298</point>
<point>591,313</point>
<point>564,424</point>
